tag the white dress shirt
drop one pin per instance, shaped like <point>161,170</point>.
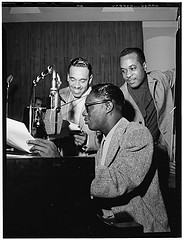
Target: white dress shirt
<point>77,106</point>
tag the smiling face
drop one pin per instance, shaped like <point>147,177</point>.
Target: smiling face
<point>79,80</point>
<point>132,70</point>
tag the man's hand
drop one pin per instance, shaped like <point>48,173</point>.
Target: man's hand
<point>44,147</point>
<point>80,139</point>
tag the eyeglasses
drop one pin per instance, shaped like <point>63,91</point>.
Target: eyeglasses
<point>87,105</point>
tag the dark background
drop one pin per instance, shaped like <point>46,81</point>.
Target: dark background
<point>29,48</point>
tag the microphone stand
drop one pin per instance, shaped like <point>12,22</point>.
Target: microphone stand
<point>33,94</point>
<point>7,96</point>
<point>31,106</point>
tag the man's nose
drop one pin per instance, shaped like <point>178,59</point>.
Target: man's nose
<point>84,113</point>
<point>128,73</point>
<point>77,84</point>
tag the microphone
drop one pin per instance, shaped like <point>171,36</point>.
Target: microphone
<point>53,117</point>
<point>43,74</point>
<point>9,79</point>
<point>53,121</point>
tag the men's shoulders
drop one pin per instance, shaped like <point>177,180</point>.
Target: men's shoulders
<point>128,126</point>
<point>137,127</point>
<point>158,75</point>
<point>133,134</point>
<point>167,78</point>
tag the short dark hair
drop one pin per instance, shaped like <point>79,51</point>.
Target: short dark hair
<point>138,51</point>
<point>80,62</point>
<point>109,91</point>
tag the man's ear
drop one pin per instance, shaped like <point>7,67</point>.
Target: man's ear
<point>67,77</point>
<point>144,66</point>
<point>91,78</point>
<point>109,106</point>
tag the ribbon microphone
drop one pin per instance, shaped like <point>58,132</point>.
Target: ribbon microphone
<point>53,117</point>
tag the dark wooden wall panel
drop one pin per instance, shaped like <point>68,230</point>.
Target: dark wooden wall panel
<point>29,48</point>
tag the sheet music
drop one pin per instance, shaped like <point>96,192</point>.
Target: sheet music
<point>17,135</point>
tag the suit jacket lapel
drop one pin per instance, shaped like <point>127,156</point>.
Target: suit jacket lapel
<point>153,85</point>
<point>115,143</point>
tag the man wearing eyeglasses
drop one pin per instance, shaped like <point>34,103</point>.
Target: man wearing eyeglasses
<point>126,179</point>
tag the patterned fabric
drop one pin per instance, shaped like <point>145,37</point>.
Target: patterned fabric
<point>160,85</point>
<point>129,179</point>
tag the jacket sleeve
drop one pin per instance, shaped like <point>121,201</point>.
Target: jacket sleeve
<point>168,76</point>
<point>128,168</point>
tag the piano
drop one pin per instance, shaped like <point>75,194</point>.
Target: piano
<point>50,197</point>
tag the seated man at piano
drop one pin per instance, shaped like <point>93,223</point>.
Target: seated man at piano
<point>126,178</point>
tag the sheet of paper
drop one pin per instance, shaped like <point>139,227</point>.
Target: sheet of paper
<point>17,135</point>
<point>74,127</point>
<point>16,156</point>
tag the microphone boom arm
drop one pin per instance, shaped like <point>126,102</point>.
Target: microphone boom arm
<point>32,95</point>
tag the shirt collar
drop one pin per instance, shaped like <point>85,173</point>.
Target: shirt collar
<point>110,133</point>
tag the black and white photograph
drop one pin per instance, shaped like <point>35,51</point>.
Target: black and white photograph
<point>91,119</point>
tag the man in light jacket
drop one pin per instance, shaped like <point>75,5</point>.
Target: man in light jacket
<point>126,178</point>
<point>151,97</point>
